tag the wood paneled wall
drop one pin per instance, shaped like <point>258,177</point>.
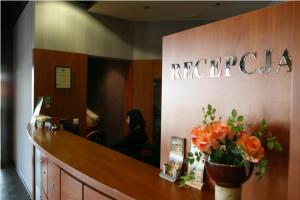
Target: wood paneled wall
<point>294,161</point>
<point>255,96</point>
<point>65,103</point>
<point>139,89</point>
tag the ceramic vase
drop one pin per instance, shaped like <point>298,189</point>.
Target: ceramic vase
<point>228,179</point>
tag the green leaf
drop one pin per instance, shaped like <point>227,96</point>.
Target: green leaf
<point>187,177</point>
<point>198,158</point>
<point>209,112</point>
<point>234,113</point>
<point>240,118</point>
<point>239,128</point>
<point>278,146</point>
<point>260,134</point>
<point>271,138</point>
<point>263,163</point>
<point>214,111</point>
<point>230,123</point>
<point>270,145</point>
<point>181,183</point>
<point>212,118</point>
<point>262,170</point>
<point>190,154</point>
<point>209,107</point>
<point>191,161</point>
<point>263,124</point>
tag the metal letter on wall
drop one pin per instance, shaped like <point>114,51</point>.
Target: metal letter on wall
<point>214,67</point>
<point>187,70</point>
<point>243,62</point>
<point>285,61</point>
<point>175,71</point>
<point>267,68</point>
<point>197,70</point>
<point>229,61</point>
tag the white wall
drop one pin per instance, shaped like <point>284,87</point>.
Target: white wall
<point>22,61</point>
<point>65,26</point>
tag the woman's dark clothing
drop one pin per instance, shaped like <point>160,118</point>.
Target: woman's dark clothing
<point>135,140</point>
<point>133,143</point>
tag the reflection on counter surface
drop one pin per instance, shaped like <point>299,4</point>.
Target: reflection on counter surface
<point>70,167</point>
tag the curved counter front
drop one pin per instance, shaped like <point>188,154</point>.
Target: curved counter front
<point>72,167</point>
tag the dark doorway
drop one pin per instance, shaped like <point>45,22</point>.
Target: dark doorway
<point>156,120</point>
<point>106,93</point>
<point>156,110</point>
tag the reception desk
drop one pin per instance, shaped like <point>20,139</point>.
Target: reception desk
<point>71,167</point>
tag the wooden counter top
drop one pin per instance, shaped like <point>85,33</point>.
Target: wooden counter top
<point>106,170</point>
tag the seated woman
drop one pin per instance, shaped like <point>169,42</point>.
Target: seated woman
<point>134,141</point>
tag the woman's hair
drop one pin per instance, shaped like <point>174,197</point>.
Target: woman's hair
<point>136,119</point>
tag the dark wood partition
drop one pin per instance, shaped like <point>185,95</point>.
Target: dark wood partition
<point>139,89</point>
<point>105,96</point>
<point>273,96</point>
<point>65,103</point>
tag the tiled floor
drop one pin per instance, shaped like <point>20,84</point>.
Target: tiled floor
<point>11,187</point>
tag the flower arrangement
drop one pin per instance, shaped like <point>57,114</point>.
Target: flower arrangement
<point>230,143</point>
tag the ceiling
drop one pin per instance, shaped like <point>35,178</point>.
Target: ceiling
<point>10,11</point>
<point>174,10</point>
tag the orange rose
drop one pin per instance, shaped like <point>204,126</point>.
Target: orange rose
<point>201,138</point>
<point>220,131</point>
<point>207,137</point>
<point>196,132</point>
<point>215,144</point>
<point>258,155</point>
<point>203,143</point>
<point>252,146</point>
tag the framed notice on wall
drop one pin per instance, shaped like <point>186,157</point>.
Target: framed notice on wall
<point>63,77</point>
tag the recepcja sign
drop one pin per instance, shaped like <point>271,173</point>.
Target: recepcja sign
<point>195,69</point>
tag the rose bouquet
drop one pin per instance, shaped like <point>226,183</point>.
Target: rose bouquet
<point>231,143</point>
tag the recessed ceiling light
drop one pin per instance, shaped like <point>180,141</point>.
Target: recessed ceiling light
<point>216,4</point>
<point>146,7</point>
